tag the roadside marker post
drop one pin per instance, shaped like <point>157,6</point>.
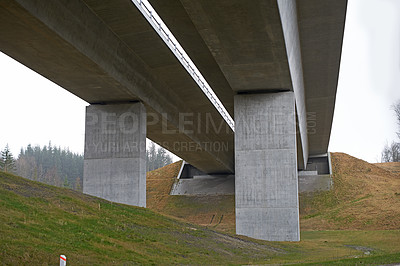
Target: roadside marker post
<point>63,260</point>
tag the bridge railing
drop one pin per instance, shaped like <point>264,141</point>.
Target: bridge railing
<point>159,26</point>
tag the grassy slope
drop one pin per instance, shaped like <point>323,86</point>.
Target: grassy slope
<point>40,222</point>
<point>364,197</point>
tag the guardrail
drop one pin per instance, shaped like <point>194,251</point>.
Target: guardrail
<point>159,26</point>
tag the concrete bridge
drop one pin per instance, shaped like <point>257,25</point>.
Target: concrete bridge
<point>274,65</point>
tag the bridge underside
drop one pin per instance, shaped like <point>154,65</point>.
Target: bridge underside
<point>273,63</point>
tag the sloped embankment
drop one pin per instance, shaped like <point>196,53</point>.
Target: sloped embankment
<point>216,211</point>
<point>38,223</point>
<point>364,197</point>
<point>393,167</point>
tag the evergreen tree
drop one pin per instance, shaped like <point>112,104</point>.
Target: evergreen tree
<point>7,162</point>
<point>50,164</point>
<point>66,183</point>
<point>78,186</point>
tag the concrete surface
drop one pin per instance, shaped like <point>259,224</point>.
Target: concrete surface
<point>106,52</point>
<point>321,27</point>
<point>314,182</point>
<point>321,164</point>
<point>288,14</point>
<point>115,153</point>
<point>205,185</point>
<point>256,47</point>
<point>240,46</point>
<point>266,183</point>
<point>189,184</point>
<point>318,174</point>
<point>189,171</point>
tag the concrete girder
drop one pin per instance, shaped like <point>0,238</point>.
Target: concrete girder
<point>60,40</point>
<point>253,45</point>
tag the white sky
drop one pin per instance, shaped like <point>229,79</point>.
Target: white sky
<point>35,110</point>
<point>369,81</point>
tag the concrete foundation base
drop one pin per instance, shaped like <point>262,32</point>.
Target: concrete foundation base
<point>314,183</point>
<point>266,181</point>
<point>205,185</point>
<point>115,153</point>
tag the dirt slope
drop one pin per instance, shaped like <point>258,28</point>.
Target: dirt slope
<point>391,167</point>
<point>364,197</point>
<point>211,211</point>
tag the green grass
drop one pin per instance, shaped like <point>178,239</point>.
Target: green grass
<point>39,222</point>
<point>372,260</point>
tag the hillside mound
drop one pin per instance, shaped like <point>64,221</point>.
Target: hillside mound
<point>393,167</point>
<point>214,211</point>
<point>364,197</point>
<point>39,222</point>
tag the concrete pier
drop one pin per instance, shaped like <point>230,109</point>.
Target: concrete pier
<point>266,181</point>
<point>115,153</point>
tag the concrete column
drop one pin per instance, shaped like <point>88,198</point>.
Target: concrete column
<point>266,188</point>
<point>115,153</point>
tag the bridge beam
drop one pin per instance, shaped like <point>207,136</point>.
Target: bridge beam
<point>266,185</point>
<point>115,153</point>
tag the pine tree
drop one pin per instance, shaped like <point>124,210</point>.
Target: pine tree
<point>7,162</point>
<point>50,164</point>
<point>78,186</point>
<point>66,183</point>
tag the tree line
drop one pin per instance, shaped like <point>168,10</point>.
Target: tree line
<point>48,164</point>
<point>61,167</point>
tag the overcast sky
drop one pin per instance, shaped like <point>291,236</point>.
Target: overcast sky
<point>369,81</point>
<point>35,110</point>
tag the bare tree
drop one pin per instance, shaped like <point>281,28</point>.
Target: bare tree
<point>157,157</point>
<point>396,108</point>
<point>392,153</point>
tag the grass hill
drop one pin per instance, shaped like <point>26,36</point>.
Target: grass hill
<point>364,197</point>
<point>39,222</point>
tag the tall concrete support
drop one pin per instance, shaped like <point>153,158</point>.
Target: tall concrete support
<point>266,187</point>
<point>115,153</point>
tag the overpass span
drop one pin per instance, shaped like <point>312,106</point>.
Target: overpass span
<point>105,52</point>
<point>273,64</point>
